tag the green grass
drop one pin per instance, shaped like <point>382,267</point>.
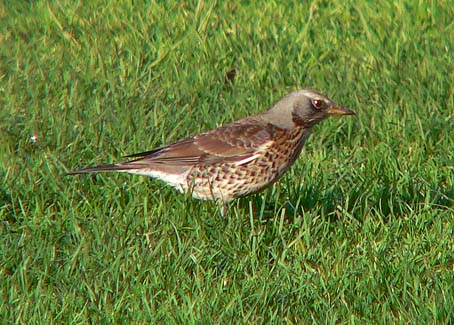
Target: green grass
<point>370,234</point>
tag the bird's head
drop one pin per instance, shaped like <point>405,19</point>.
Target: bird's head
<point>305,108</point>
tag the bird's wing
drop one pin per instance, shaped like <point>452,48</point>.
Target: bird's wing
<point>236,143</point>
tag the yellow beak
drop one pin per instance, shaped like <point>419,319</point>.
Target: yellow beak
<point>339,110</point>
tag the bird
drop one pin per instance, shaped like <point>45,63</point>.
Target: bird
<point>237,159</point>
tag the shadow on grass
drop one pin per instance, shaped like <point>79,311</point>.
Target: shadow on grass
<point>384,198</point>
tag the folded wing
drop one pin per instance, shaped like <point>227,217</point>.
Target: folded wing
<point>237,143</point>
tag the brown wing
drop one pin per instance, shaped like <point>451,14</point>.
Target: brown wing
<point>233,143</point>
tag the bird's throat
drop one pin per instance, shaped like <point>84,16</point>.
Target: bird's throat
<point>305,122</point>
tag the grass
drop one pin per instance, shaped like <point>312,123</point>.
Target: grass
<point>369,237</point>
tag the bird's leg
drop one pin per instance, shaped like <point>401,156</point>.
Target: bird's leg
<point>224,209</point>
<point>291,207</point>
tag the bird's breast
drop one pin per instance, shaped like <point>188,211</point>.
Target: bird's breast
<point>286,149</point>
<point>227,181</point>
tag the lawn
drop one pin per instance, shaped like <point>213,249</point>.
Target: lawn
<point>360,230</point>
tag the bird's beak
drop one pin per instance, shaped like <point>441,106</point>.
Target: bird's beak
<point>339,110</point>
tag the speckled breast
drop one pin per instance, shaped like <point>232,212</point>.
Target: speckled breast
<point>227,181</point>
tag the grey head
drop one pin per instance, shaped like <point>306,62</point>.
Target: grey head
<point>303,108</point>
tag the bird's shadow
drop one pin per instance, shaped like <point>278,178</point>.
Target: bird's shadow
<point>386,199</point>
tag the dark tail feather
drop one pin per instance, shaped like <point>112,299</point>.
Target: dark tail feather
<point>145,153</point>
<point>102,168</point>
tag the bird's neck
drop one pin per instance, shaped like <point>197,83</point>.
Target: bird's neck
<point>305,122</point>
<point>290,121</point>
<point>282,121</point>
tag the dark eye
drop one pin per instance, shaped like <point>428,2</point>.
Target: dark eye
<point>317,103</point>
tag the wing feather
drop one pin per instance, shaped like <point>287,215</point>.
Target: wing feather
<point>235,143</point>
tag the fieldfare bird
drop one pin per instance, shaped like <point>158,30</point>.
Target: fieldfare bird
<point>237,159</point>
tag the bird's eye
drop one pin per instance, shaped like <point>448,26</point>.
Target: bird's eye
<point>317,103</point>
